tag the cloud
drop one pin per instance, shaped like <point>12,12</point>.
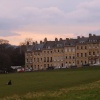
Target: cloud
<point>25,15</point>
<point>96,32</point>
<point>52,17</point>
<point>86,13</point>
<point>7,34</point>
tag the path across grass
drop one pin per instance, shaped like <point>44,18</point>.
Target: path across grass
<point>55,85</point>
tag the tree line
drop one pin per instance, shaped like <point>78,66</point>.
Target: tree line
<point>11,55</point>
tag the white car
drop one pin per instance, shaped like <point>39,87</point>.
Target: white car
<point>96,64</point>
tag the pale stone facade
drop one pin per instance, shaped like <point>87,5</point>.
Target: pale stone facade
<point>67,53</point>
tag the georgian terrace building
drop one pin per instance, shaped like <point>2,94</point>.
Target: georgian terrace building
<point>63,53</point>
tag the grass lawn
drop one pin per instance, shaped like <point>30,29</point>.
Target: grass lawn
<point>66,84</point>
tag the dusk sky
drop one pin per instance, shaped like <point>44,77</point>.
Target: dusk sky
<point>37,19</point>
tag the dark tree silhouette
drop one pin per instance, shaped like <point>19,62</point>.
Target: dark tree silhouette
<point>11,55</point>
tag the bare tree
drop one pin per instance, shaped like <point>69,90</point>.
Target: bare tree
<point>2,41</point>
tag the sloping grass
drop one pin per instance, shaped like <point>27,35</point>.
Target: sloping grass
<point>77,84</point>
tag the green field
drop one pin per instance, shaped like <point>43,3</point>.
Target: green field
<point>66,84</point>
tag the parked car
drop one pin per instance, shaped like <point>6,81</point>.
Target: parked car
<point>2,71</point>
<point>96,64</point>
<point>50,68</point>
<point>57,67</point>
<point>63,67</point>
<point>7,70</point>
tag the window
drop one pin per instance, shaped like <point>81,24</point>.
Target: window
<point>41,59</point>
<point>89,53</point>
<point>34,59</point>
<point>37,59</point>
<point>47,51</point>
<point>77,54</point>
<point>77,47</point>
<point>47,59</point>
<point>44,59</point>
<point>73,50</point>
<point>82,62</point>
<point>93,53</point>
<point>45,65</point>
<point>69,57</point>
<point>69,50</point>
<point>35,66</point>
<point>27,60</point>
<point>51,59</point>
<point>48,47</point>
<point>85,54</point>
<point>85,47</point>
<point>38,53</point>
<point>81,54</point>
<point>81,47</point>
<point>62,50</point>
<point>77,62</point>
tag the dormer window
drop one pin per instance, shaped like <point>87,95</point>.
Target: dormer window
<point>59,45</point>
<point>90,40</point>
<point>48,47</point>
<point>81,41</point>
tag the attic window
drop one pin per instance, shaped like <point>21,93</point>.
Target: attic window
<point>48,47</point>
<point>81,41</point>
<point>59,45</point>
<point>38,48</point>
<point>90,40</point>
<point>95,40</point>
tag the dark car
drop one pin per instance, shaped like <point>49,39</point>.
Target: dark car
<point>7,70</point>
<point>2,71</point>
<point>50,68</point>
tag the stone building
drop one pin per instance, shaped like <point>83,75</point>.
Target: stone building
<point>61,53</point>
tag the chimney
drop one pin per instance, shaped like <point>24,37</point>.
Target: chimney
<point>60,39</point>
<point>41,42</point>
<point>94,35</point>
<point>67,38</point>
<point>45,39</point>
<point>78,37</point>
<point>36,42</point>
<point>56,39</point>
<point>33,43</point>
<point>28,43</point>
<point>90,34</point>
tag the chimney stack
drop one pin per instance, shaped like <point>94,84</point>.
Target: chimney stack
<point>82,36</point>
<point>78,37</point>
<point>28,43</point>
<point>67,38</point>
<point>90,34</point>
<point>94,35</point>
<point>33,43</point>
<point>41,42</point>
<point>56,39</point>
<point>36,42</point>
<point>45,40</point>
<point>60,39</point>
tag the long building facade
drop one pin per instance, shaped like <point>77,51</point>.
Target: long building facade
<point>61,53</point>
